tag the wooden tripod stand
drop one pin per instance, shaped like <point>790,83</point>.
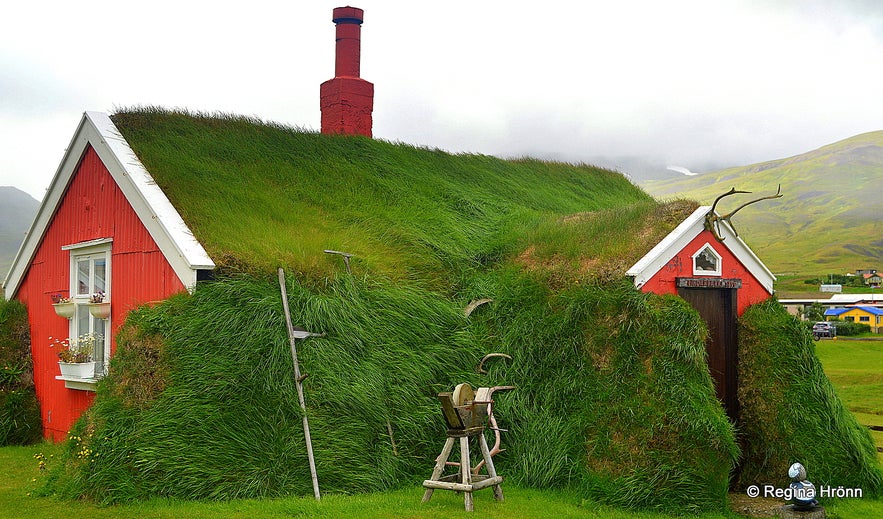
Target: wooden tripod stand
<point>464,422</point>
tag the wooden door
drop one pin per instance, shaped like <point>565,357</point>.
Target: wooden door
<point>717,307</point>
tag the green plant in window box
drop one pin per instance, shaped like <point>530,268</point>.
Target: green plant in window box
<point>75,357</point>
<point>97,307</point>
<point>74,352</point>
<point>59,299</point>
<point>64,306</point>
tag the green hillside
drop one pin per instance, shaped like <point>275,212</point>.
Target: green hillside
<point>828,220</point>
<point>613,394</point>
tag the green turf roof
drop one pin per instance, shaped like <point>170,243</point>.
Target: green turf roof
<point>261,195</point>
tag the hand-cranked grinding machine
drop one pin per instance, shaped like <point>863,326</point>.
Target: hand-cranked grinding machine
<point>466,412</point>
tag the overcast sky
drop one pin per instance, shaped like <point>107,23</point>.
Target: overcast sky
<point>694,84</point>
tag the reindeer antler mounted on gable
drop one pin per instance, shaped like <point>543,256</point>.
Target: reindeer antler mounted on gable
<point>713,220</point>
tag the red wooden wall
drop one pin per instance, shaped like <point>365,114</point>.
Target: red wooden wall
<point>664,281</point>
<point>93,207</point>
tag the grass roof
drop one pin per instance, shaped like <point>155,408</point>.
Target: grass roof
<point>261,195</point>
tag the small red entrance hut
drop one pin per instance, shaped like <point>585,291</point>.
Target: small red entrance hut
<point>705,262</point>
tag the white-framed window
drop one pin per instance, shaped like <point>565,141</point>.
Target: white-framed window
<point>864,318</point>
<point>706,261</point>
<point>90,275</point>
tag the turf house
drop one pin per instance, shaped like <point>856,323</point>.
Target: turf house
<point>160,238</point>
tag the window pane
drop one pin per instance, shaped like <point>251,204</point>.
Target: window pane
<point>83,318</point>
<point>83,277</point>
<point>706,261</point>
<point>100,268</point>
<point>98,353</point>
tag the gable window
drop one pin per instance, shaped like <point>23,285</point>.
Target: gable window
<point>706,262</point>
<point>90,275</point>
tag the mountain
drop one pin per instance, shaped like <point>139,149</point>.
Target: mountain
<point>17,210</point>
<point>829,219</point>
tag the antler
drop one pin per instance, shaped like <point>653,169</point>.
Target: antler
<point>713,220</point>
<point>732,191</point>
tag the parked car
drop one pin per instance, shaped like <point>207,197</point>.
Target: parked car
<point>823,329</point>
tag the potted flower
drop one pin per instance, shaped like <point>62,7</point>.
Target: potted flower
<point>98,307</point>
<point>63,306</point>
<point>75,357</point>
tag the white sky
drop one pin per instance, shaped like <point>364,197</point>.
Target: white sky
<point>694,84</point>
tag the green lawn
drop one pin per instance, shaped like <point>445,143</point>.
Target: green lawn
<point>855,368</point>
<point>22,478</point>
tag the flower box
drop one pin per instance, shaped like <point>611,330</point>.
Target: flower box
<point>65,310</point>
<point>77,369</point>
<point>99,310</point>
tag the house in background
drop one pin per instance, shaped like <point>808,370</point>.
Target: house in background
<point>873,280</point>
<point>797,307</point>
<point>104,226</point>
<point>870,315</point>
<point>720,276</point>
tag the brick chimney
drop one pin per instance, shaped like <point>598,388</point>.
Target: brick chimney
<point>347,100</point>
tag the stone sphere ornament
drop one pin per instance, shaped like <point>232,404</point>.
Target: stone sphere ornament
<point>797,472</point>
<point>804,495</point>
<point>803,492</point>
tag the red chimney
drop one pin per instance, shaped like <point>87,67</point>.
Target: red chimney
<point>347,100</point>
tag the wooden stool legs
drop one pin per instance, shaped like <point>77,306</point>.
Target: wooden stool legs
<point>464,481</point>
<point>491,470</point>
<point>439,468</point>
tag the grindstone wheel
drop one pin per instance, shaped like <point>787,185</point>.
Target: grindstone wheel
<point>463,393</point>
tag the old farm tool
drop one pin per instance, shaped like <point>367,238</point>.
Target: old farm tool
<point>713,220</point>
<point>466,413</point>
<point>293,334</point>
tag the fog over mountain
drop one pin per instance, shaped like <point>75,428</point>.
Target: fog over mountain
<point>17,210</point>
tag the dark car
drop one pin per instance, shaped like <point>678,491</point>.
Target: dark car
<point>823,329</point>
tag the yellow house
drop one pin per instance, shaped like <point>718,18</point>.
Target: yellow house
<point>870,315</point>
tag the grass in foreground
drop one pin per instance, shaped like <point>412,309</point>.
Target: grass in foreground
<point>843,362</point>
<point>22,478</point>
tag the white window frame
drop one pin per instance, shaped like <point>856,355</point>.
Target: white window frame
<point>702,272</point>
<point>93,249</point>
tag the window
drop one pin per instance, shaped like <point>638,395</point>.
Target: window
<point>850,318</point>
<point>90,274</point>
<point>864,318</point>
<point>706,262</point>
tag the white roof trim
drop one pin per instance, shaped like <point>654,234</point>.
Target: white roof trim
<point>85,244</point>
<point>665,250</point>
<point>175,240</point>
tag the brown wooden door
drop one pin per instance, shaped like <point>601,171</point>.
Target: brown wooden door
<point>717,307</point>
